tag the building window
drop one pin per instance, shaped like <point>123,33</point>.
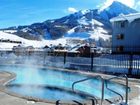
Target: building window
<point>120,49</point>
<point>120,36</point>
<point>122,24</point>
<point>117,24</point>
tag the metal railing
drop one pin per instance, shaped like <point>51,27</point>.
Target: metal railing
<point>126,90</point>
<point>113,91</point>
<point>58,102</point>
<point>105,83</point>
<point>98,76</point>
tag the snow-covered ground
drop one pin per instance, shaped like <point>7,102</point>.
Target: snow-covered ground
<point>95,33</point>
<point>136,101</point>
<point>10,31</point>
<point>25,42</point>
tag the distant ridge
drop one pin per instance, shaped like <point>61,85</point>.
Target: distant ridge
<point>82,24</point>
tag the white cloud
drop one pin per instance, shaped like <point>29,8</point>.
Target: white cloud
<point>72,10</point>
<point>137,6</point>
<point>130,3</point>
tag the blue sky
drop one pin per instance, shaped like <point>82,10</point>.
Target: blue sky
<point>24,12</point>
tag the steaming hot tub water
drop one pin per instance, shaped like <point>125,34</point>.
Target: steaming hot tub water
<point>51,85</point>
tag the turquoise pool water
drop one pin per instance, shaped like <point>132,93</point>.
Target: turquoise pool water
<point>31,81</point>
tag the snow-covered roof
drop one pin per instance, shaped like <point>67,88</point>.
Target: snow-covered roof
<point>130,17</point>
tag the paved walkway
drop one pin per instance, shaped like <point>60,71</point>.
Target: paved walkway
<point>6,99</point>
<point>136,101</point>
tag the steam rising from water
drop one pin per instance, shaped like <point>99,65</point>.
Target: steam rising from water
<point>30,80</point>
<point>29,77</point>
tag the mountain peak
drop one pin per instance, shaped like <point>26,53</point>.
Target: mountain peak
<point>113,4</point>
<point>119,4</point>
<point>116,2</point>
<point>115,9</point>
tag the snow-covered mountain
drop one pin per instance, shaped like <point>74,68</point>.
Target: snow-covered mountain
<point>85,24</point>
<point>115,9</point>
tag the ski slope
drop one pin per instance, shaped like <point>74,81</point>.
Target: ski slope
<point>25,42</point>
